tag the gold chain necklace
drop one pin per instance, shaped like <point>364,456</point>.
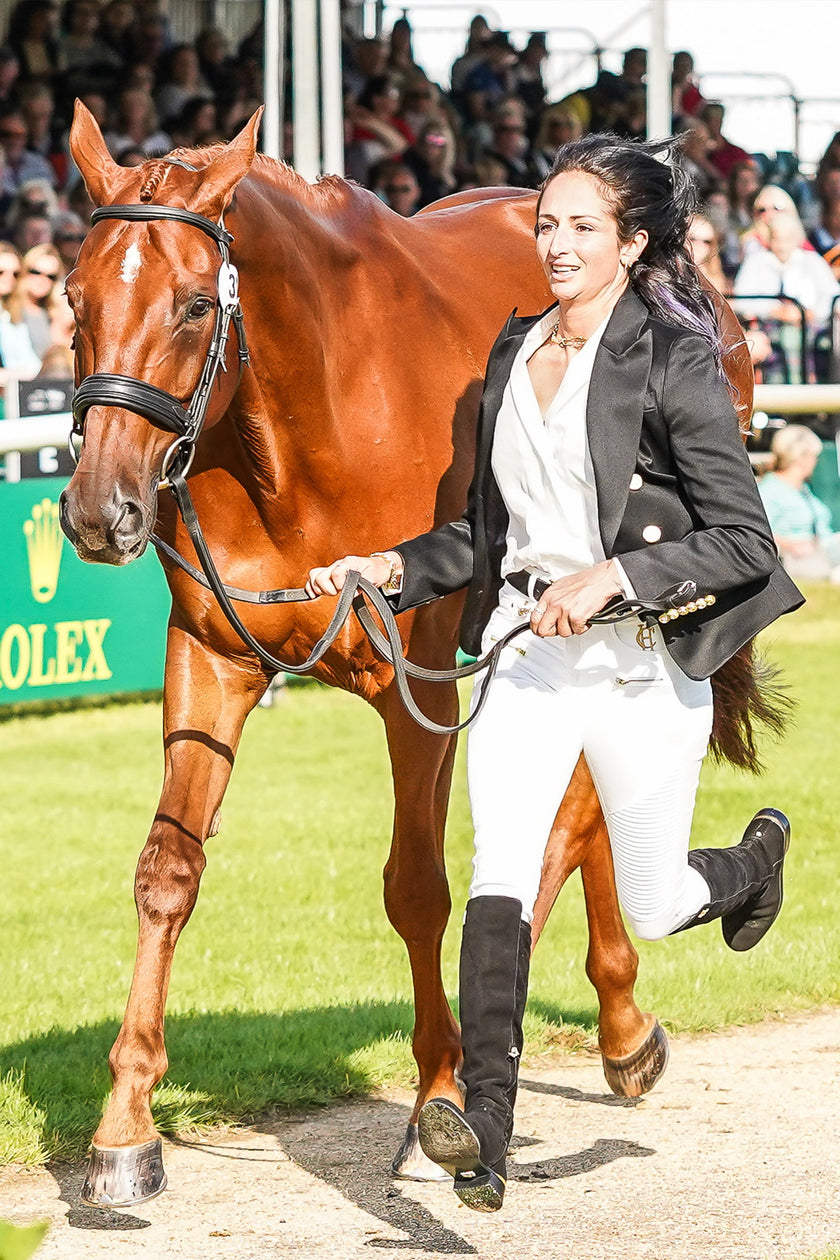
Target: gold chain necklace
<point>577,342</point>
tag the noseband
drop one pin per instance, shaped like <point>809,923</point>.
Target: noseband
<point>162,409</point>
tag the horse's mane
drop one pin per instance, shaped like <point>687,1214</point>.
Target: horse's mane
<point>329,188</point>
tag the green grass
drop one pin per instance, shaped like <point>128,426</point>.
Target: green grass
<point>289,985</point>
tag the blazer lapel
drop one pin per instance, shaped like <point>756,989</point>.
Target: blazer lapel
<point>498,374</point>
<point>615,407</point>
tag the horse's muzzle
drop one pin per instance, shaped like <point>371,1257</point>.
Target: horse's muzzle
<point>114,532</point>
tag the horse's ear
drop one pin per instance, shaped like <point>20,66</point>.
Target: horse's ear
<point>220,177</point>
<point>90,153</point>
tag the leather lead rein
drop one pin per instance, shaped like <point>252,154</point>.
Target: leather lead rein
<point>362,596</point>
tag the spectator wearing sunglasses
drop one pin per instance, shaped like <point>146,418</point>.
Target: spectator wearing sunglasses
<point>432,159</point>
<point>17,355</point>
<point>769,204</point>
<point>510,147</point>
<point>703,245</point>
<point>29,302</point>
<point>396,184</point>
<point>420,105</point>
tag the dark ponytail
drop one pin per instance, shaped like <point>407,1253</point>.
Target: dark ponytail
<point>648,189</point>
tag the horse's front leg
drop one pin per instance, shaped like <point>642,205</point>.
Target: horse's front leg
<point>206,700</point>
<point>634,1048</point>
<point>417,897</point>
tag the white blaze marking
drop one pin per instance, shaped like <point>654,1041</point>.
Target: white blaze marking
<point>131,265</point>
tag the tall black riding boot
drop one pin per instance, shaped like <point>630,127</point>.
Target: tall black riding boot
<point>745,881</point>
<point>472,1144</point>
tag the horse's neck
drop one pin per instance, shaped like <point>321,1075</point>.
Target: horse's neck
<point>297,260</point>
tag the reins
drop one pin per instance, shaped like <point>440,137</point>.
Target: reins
<point>166,412</point>
<point>361,596</point>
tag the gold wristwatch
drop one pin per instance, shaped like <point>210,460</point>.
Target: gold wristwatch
<point>393,583</point>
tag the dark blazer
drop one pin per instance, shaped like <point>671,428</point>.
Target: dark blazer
<point>657,408</point>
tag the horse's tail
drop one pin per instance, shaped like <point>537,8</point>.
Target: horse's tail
<point>748,693</point>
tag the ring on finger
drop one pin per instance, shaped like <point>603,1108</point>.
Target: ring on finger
<point>540,610</point>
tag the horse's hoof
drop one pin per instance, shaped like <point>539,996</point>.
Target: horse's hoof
<point>638,1072</point>
<point>412,1165</point>
<point>124,1176</point>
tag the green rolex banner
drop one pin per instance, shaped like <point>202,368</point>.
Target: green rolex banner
<point>68,628</point>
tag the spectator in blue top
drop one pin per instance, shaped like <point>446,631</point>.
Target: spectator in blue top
<point>801,523</point>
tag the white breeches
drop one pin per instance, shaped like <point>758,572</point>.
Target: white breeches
<point>643,727</point>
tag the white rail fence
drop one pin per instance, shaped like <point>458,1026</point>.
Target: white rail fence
<point>40,433</point>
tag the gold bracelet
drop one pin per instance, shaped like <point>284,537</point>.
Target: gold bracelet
<point>393,581</point>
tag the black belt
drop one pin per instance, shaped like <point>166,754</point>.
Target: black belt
<point>522,580</point>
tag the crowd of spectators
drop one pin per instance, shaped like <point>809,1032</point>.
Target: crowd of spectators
<point>148,92</point>
<point>412,142</point>
<point>409,139</point>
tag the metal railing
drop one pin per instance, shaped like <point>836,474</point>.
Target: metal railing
<point>804,359</point>
<point>20,437</point>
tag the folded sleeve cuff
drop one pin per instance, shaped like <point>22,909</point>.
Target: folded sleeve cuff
<point>626,584</point>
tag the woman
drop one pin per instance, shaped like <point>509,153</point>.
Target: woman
<point>742,185</point>
<point>800,287</point>
<point>401,65</point>
<point>801,523</point>
<point>29,304</point>
<point>769,204</point>
<point>376,130</point>
<point>18,359</point>
<point>608,462</point>
<point>558,125</point>
<point>432,159</point>
<point>703,244</point>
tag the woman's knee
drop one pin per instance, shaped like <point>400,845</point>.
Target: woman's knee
<point>652,927</point>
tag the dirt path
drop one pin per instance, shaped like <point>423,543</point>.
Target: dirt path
<point>730,1156</point>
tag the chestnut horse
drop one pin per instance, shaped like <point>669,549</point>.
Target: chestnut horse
<point>350,428</point>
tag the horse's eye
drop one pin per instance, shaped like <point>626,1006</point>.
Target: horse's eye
<point>199,307</point>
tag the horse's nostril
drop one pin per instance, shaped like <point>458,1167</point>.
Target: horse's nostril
<point>128,521</point>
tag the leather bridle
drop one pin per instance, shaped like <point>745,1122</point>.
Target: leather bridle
<point>160,408</point>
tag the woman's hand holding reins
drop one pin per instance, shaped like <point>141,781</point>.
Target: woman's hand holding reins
<point>375,569</point>
<point>565,608</point>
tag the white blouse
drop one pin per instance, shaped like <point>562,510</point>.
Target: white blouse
<point>543,467</point>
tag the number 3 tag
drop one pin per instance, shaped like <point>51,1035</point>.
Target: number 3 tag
<point>228,285</point>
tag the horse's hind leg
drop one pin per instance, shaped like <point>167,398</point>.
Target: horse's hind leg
<point>206,700</point>
<point>634,1048</point>
<point>417,898</point>
<point>633,1045</point>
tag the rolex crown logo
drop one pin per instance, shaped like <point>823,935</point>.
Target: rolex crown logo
<point>44,542</point>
